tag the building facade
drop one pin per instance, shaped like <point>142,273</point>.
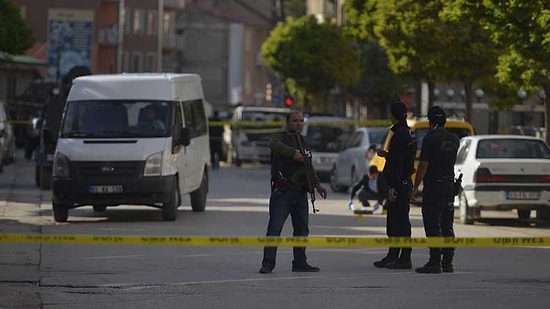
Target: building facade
<point>220,40</point>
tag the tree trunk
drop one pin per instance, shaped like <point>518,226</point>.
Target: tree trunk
<point>468,95</point>
<point>546,88</point>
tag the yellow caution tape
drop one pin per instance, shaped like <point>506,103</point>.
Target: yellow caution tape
<point>361,123</point>
<point>316,241</point>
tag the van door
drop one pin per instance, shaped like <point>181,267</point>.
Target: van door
<point>198,149</point>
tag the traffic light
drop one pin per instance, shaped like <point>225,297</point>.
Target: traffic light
<point>289,101</point>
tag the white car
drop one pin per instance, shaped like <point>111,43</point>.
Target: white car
<point>503,172</point>
<point>354,157</point>
<point>325,135</point>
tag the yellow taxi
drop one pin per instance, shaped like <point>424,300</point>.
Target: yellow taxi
<point>421,127</point>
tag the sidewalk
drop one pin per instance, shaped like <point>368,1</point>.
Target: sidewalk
<point>20,212</point>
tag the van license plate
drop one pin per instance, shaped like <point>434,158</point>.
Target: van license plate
<point>523,195</point>
<point>105,189</point>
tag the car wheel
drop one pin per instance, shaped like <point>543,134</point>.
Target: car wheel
<point>99,208</point>
<point>524,214</point>
<point>170,209</point>
<point>334,185</point>
<point>60,212</point>
<point>466,213</point>
<point>198,197</point>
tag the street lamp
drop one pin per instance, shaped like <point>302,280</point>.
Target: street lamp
<point>522,94</point>
<point>450,94</point>
<point>542,95</point>
<point>479,94</point>
<point>436,93</point>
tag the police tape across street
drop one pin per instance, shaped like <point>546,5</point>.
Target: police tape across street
<point>311,241</point>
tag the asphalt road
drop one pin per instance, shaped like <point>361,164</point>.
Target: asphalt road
<point>124,276</point>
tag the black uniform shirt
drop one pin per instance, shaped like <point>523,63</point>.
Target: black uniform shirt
<point>400,160</point>
<point>439,148</point>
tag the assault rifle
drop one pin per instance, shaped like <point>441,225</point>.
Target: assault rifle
<point>307,161</point>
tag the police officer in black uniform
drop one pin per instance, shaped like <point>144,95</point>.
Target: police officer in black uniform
<point>398,170</point>
<point>436,170</point>
<point>292,177</point>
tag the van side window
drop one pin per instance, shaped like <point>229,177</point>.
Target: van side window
<point>195,118</point>
<point>199,117</point>
<point>188,117</point>
<point>178,122</point>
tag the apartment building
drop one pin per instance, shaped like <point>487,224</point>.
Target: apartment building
<point>220,40</point>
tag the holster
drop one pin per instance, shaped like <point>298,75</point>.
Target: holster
<point>278,182</point>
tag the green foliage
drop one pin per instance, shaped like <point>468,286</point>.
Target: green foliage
<point>521,26</point>
<point>312,57</point>
<point>15,36</point>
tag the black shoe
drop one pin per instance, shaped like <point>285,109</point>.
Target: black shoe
<point>266,269</point>
<point>400,264</point>
<point>383,263</point>
<point>447,268</point>
<point>306,268</point>
<point>429,268</point>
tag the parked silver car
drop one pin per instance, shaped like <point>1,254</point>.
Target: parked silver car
<point>354,156</point>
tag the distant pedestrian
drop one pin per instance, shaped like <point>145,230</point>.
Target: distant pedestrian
<point>215,130</point>
<point>436,171</point>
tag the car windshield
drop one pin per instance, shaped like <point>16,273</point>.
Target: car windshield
<point>510,148</point>
<point>121,118</point>
<point>328,138</point>
<point>377,134</point>
<point>421,133</point>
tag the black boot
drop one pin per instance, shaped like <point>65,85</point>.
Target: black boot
<point>432,267</point>
<point>404,261</point>
<point>447,263</point>
<point>390,258</point>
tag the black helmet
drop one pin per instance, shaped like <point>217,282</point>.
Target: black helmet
<point>436,115</point>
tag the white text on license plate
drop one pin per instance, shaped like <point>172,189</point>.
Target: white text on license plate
<point>105,189</point>
<point>523,195</point>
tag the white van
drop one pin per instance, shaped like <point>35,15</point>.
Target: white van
<point>126,139</point>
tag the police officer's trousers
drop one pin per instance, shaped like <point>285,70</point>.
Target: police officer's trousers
<point>397,220</point>
<point>281,204</point>
<point>438,217</point>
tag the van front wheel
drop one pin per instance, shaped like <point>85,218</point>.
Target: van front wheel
<point>198,197</point>
<point>170,209</point>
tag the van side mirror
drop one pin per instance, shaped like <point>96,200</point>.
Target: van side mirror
<point>185,137</point>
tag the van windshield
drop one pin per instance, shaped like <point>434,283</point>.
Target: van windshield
<point>121,118</point>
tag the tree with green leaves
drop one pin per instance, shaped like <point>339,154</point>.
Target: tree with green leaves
<point>312,58</point>
<point>427,40</point>
<point>521,26</point>
<point>378,82</point>
<point>15,36</point>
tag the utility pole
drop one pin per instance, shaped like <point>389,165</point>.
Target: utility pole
<point>120,36</point>
<point>160,36</point>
